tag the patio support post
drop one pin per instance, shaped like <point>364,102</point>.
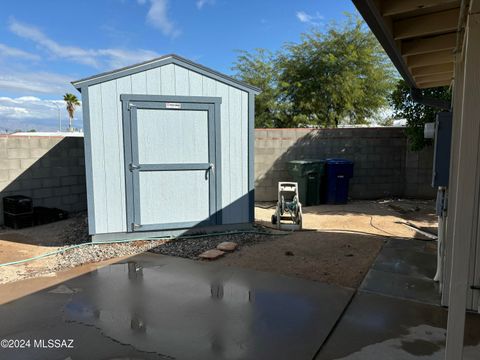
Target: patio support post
<point>451,198</point>
<point>466,192</point>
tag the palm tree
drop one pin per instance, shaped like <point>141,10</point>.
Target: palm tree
<point>71,101</point>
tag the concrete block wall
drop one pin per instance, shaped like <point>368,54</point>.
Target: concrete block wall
<point>418,173</point>
<point>381,156</point>
<point>50,169</point>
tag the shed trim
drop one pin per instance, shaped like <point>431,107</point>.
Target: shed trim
<point>161,61</point>
<point>88,162</point>
<point>141,101</point>
<point>218,158</point>
<point>251,154</point>
<point>171,98</point>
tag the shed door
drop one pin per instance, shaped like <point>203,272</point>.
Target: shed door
<point>172,165</point>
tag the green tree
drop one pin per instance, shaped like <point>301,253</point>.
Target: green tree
<point>342,75</point>
<point>71,102</point>
<point>416,114</point>
<point>339,76</point>
<point>259,69</point>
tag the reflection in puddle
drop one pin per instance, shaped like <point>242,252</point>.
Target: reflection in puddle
<point>78,310</point>
<point>135,271</point>
<point>138,325</point>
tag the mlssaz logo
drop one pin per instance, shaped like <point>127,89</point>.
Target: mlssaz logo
<point>53,343</point>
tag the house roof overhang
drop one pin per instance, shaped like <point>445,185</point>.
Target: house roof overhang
<point>421,37</point>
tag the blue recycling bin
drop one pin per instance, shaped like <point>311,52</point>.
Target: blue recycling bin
<point>338,173</point>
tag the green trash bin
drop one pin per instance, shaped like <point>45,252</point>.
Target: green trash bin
<point>308,174</point>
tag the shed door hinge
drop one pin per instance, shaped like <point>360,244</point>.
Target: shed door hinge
<point>475,287</point>
<point>132,167</point>
<point>131,106</point>
<point>135,226</point>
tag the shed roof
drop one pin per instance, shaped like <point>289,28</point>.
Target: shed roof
<point>421,37</point>
<point>161,61</point>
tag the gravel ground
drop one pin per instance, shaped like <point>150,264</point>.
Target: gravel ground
<point>76,232</point>
<point>94,253</point>
<point>191,248</point>
<point>186,248</point>
<point>72,258</point>
<point>57,236</point>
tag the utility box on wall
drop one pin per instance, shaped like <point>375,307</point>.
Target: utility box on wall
<point>441,155</point>
<point>168,148</point>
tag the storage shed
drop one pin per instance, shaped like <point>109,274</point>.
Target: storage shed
<point>168,147</point>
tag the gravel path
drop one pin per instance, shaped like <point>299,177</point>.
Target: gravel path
<point>191,248</point>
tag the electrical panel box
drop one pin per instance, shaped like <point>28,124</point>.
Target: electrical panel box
<point>441,156</point>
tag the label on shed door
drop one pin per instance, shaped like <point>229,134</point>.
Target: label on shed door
<point>173,105</point>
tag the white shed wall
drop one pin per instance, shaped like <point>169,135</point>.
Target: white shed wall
<point>108,172</point>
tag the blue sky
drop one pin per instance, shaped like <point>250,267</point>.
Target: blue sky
<point>46,44</point>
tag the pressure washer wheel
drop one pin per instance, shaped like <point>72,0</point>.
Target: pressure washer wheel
<point>282,205</point>
<point>299,219</point>
<point>274,219</point>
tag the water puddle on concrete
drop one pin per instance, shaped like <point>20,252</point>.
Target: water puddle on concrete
<point>175,308</point>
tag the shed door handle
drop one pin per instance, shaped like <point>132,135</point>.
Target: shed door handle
<point>133,167</point>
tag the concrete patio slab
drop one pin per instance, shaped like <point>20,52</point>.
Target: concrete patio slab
<point>159,307</point>
<point>381,327</point>
<point>401,286</point>
<point>404,269</point>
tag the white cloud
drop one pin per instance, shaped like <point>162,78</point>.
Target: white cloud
<point>34,82</point>
<point>29,112</point>
<point>119,57</point>
<point>202,3</point>
<point>68,52</point>
<point>7,51</point>
<point>99,58</point>
<point>29,107</point>
<point>158,17</point>
<point>312,19</point>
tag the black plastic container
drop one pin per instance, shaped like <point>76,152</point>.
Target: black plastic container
<point>17,211</point>
<point>18,221</point>
<point>45,215</point>
<point>17,204</point>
